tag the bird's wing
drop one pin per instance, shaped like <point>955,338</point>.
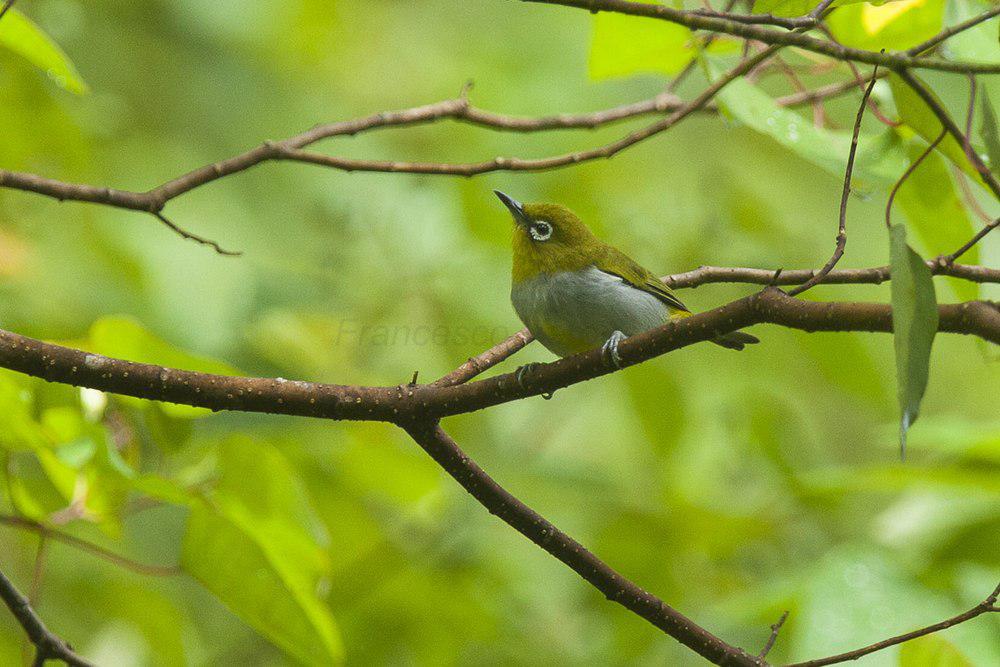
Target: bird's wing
<point>610,260</point>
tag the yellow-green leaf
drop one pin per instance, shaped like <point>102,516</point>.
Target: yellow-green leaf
<point>914,324</point>
<point>894,26</point>
<point>251,545</point>
<point>22,36</point>
<point>915,113</point>
<point>879,156</point>
<point>625,45</point>
<point>931,651</point>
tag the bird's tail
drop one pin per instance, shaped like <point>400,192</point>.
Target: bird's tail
<point>734,340</point>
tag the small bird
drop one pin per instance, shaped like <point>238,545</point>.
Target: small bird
<point>576,293</point>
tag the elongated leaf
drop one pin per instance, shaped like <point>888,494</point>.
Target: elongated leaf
<point>935,210</point>
<point>880,157</point>
<point>914,324</point>
<point>249,544</point>
<point>990,133</point>
<point>22,36</point>
<point>917,115</point>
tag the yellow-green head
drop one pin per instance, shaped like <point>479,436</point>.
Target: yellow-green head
<point>548,238</point>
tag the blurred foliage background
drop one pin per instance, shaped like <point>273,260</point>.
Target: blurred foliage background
<point>734,486</point>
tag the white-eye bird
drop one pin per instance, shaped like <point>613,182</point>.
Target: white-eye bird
<point>576,293</point>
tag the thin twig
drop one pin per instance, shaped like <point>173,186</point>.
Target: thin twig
<point>838,251</point>
<point>948,260</point>
<point>485,360</point>
<point>775,629</point>
<point>871,276</point>
<point>968,196</point>
<point>690,67</point>
<point>906,174</point>
<point>860,81</point>
<point>47,645</point>
<point>89,547</point>
<point>986,606</point>
<point>952,31</point>
<point>194,237</point>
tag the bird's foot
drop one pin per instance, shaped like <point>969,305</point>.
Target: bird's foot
<point>523,372</point>
<point>610,349</point>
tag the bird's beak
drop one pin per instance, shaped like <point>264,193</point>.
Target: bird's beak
<point>515,207</point>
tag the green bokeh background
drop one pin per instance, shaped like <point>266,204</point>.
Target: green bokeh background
<point>734,486</point>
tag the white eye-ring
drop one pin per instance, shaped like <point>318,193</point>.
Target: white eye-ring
<point>540,230</point>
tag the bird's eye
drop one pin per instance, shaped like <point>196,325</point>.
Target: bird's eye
<point>540,230</point>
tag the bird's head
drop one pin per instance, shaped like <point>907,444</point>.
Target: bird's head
<point>548,238</point>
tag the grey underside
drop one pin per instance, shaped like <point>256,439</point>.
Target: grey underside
<point>590,303</point>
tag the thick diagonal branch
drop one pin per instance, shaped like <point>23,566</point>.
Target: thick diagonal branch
<point>536,528</point>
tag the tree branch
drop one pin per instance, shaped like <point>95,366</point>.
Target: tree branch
<point>536,528</point>
<point>718,24</point>
<point>47,645</point>
<point>906,174</point>
<point>986,606</point>
<point>952,31</point>
<point>94,549</point>
<point>775,629</point>
<point>486,360</point>
<point>405,403</point>
<point>873,276</point>
<point>153,201</point>
<point>989,227</point>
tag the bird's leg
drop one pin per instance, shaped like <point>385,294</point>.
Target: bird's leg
<point>523,371</point>
<point>610,349</point>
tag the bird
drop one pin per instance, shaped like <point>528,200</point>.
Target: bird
<point>575,293</point>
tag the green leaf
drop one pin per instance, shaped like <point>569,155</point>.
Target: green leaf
<point>931,651</point>
<point>879,156</point>
<point>798,7</point>
<point>624,45</point>
<point>250,543</point>
<point>915,113</point>
<point>126,338</point>
<point>990,134</point>
<point>19,431</point>
<point>22,36</point>
<point>935,210</point>
<point>914,324</point>
<point>894,26</point>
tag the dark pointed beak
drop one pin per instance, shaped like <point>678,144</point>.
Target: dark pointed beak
<point>515,207</point>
